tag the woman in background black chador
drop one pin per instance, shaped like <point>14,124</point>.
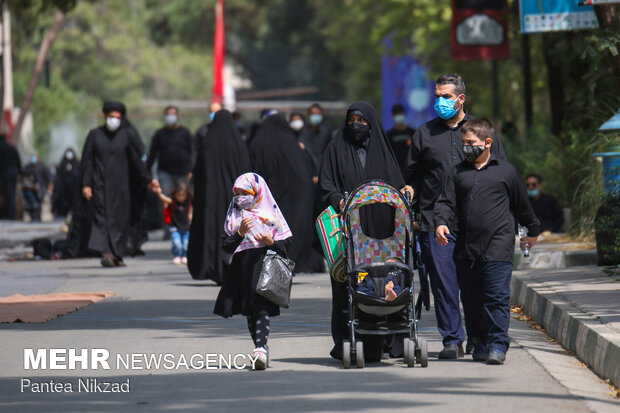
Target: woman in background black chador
<point>65,184</point>
<point>277,157</point>
<point>222,157</point>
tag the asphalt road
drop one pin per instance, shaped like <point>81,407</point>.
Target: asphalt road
<point>159,309</point>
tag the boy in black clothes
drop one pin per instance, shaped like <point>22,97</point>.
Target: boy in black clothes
<point>482,195</point>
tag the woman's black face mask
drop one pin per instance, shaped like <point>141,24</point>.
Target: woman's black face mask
<point>358,133</point>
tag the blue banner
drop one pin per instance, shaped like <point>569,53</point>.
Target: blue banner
<point>555,15</point>
<point>405,81</point>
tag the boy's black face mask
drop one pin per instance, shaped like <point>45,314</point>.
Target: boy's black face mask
<point>472,152</point>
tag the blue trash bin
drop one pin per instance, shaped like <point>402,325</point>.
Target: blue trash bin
<point>611,169</point>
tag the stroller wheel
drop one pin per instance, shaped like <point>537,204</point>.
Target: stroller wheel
<point>359,354</point>
<point>423,358</point>
<point>409,352</point>
<point>346,354</point>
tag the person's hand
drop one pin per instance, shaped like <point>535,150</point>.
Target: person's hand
<point>405,189</point>
<point>246,224</point>
<point>264,238</point>
<point>87,193</point>
<point>528,240</point>
<point>302,146</point>
<point>440,234</point>
<point>341,205</point>
<point>416,226</point>
<point>315,180</point>
<point>154,186</point>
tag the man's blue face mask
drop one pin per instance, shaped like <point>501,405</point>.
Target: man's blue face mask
<point>445,108</point>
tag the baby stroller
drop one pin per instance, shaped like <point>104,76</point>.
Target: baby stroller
<point>372,314</point>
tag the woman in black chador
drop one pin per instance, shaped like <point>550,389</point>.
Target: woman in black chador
<point>65,184</point>
<point>222,157</point>
<point>358,153</point>
<point>109,161</point>
<point>277,157</point>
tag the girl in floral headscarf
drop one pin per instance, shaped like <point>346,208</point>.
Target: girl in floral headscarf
<point>254,224</point>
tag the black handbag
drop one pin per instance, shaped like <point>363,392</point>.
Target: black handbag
<point>276,278</point>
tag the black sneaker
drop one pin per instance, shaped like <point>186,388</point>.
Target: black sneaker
<point>451,352</point>
<point>496,357</point>
<point>480,355</point>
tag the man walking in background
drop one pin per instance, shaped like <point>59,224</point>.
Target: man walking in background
<point>400,136</point>
<point>173,148</point>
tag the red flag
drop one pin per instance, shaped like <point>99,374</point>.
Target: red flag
<point>218,52</point>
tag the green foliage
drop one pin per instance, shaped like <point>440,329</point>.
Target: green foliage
<point>105,50</point>
<point>608,230</point>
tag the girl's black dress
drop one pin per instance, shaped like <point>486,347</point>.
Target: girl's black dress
<point>238,293</point>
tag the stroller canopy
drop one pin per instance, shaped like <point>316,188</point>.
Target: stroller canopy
<point>368,250</point>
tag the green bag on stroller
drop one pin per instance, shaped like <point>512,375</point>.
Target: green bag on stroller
<point>332,241</point>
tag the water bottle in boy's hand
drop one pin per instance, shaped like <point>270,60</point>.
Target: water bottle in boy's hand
<point>524,247</point>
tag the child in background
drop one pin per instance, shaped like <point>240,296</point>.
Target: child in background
<point>254,224</point>
<point>178,215</point>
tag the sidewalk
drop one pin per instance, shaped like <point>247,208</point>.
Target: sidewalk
<point>580,308</point>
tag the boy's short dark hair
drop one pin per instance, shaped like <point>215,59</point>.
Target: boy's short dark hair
<point>398,108</point>
<point>453,79</point>
<point>480,127</point>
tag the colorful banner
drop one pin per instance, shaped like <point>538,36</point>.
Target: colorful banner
<point>479,30</point>
<point>405,81</point>
<point>555,15</point>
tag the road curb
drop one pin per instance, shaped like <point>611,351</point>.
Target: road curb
<point>593,342</point>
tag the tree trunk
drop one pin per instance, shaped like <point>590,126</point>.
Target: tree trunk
<point>38,69</point>
<point>556,74</point>
<point>609,18</point>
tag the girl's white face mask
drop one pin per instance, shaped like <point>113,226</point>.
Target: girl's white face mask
<point>244,201</point>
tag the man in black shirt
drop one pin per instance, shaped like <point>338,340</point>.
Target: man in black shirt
<point>173,148</point>
<point>10,170</point>
<point>546,207</point>
<point>400,136</point>
<point>482,196</point>
<point>435,149</point>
